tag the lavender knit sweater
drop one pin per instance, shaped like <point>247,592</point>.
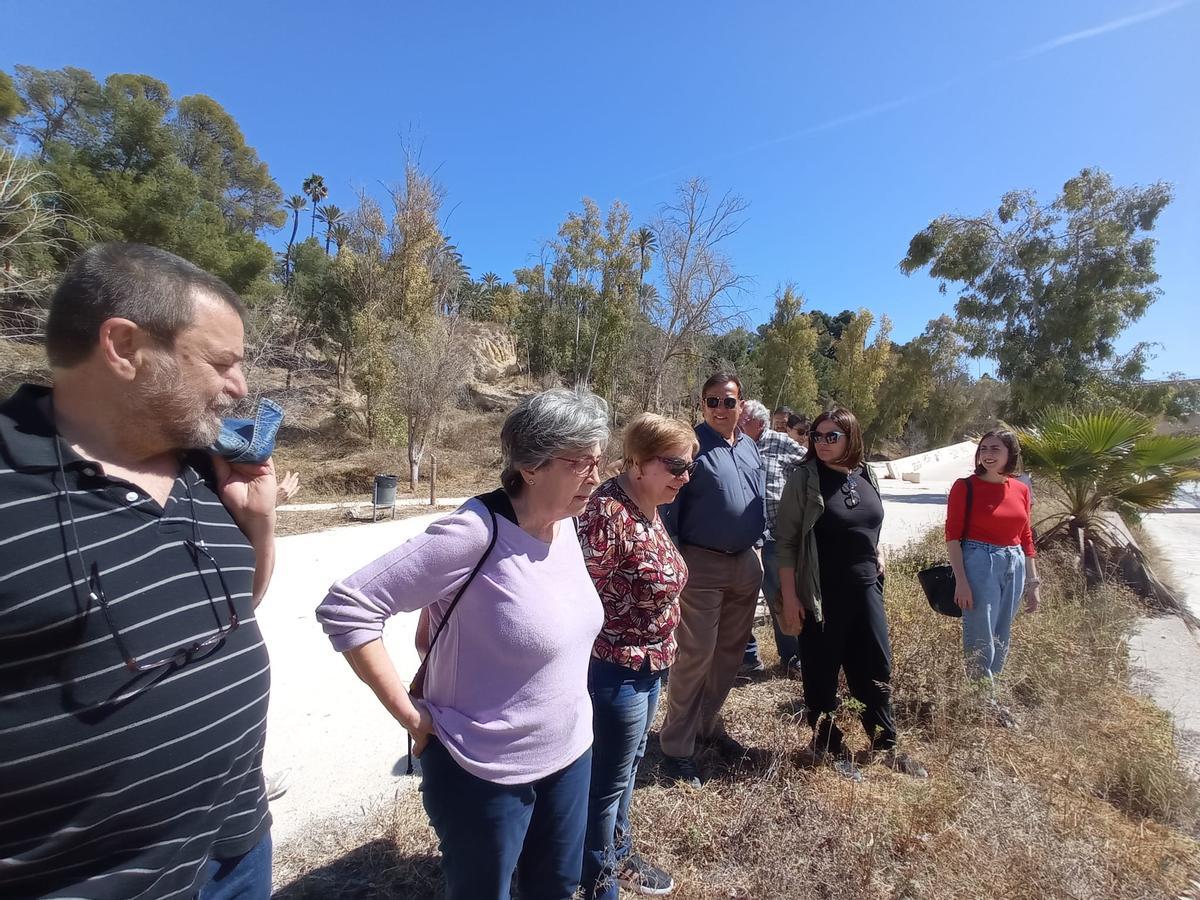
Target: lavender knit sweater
<point>507,683</point>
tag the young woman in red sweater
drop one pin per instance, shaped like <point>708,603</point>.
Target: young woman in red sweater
<point>994,563</point>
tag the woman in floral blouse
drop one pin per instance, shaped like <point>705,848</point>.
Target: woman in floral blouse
<point>639,575</point>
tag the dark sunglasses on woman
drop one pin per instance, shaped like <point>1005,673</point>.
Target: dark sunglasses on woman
<point>727,402</point>
<point>829,437</point>
<point>676,466</point>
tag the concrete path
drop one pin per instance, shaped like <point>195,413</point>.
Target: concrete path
<point>1165,655</point>
<point>343,750</point>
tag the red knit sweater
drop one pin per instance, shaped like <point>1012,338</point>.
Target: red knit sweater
<point>999,513</point>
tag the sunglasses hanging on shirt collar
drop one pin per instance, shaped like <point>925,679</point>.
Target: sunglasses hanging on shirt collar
<point>198,551</point>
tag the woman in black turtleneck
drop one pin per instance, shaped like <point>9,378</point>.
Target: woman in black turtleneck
<point>831,579</point>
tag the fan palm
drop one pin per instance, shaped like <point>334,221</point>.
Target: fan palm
<point>331,216</point>
<point>296,203</point>
<point>341,234</point>
<point>1107,461</point>
<point>314,187</point>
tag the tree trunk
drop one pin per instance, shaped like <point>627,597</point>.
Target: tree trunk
<point>416,450</point>
<point>575,351</point>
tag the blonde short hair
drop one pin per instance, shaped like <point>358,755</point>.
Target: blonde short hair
<point>650,435</point>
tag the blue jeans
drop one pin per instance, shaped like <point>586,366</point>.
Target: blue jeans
<point>623,705</point>
<point>997,579</point>
<point>487,830</point>
<point>245,877</point>
<point>250,440</point>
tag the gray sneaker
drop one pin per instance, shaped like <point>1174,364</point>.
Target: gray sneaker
<point>278,783</point>
<point>681,769</point>
<point>1003,716</point>
<point>641,877</point>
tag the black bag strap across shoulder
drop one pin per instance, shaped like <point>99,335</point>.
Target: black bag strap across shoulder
<point>495,502</point>
<point>967,511</point>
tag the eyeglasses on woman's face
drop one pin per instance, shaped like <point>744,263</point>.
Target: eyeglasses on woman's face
<point>583,466</point>
<point>827,437</point>
<point>727,402</point>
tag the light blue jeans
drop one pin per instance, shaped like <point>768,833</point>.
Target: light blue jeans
<point>997,579</point>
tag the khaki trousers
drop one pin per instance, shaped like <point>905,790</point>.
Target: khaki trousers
<point>716,616</point>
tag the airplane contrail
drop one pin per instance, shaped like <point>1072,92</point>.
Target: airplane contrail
<point>880,108</point>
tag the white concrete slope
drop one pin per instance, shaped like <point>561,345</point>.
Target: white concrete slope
<point>1165,655</point>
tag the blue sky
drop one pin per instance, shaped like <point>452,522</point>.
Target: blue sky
<point>846,127</point>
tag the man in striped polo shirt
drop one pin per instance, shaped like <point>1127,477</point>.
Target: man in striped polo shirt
<point>133,677</point>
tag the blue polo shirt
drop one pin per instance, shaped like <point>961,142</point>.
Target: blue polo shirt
<point>721,507</point>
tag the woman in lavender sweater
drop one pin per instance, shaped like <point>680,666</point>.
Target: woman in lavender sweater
<point>504,731</point>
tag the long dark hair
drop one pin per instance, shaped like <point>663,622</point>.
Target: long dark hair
<point>1009,440</point>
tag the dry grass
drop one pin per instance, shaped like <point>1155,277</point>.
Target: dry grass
<point>335,465</point>
<point>21,362</point>
<point>1086,799</point>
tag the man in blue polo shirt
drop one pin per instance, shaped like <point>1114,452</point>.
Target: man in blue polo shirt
<point>716,519</point>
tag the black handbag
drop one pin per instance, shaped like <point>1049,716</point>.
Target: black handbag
<point>938,581</point>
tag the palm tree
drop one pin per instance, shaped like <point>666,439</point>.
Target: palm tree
<point>341,234</point>
<point>490,280</point>
<point>296,204</point>
<point>1110,461</point>
<point>331,216</point>
<point>314,187</point>
<point>1107,461</point>
<point>445,264</point>
<point>645,242</point>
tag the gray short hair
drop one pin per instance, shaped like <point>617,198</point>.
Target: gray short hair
<point>546,424</point>
<point>152,288</point>
<point>756,411</point>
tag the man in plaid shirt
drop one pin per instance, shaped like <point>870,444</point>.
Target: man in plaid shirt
<point>780,456</point>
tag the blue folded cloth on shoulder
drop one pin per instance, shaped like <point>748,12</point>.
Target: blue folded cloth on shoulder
<point>250,440</point>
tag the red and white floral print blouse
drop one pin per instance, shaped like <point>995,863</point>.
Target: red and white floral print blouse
<point>639,575</point>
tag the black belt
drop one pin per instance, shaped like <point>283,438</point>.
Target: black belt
<point>716,550</point>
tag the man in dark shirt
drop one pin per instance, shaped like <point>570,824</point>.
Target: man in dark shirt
<point>133,677</point>
<point>780,455</point>
<point>717,520</point>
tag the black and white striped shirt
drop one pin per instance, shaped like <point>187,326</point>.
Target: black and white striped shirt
<point>115,784</point>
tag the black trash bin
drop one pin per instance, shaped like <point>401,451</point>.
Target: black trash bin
<point>384,495</point>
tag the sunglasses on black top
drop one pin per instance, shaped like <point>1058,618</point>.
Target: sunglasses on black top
<point>850,492</point>
<point>727,402</point>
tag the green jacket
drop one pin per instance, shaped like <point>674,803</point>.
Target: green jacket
<point>796,541</point>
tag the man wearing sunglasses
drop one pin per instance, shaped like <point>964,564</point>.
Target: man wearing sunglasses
<point>133,676</point>
<point>716,519</point>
